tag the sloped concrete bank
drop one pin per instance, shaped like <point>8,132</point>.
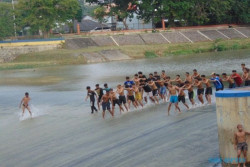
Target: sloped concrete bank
<point>184,36</point>
<point>104,56</point>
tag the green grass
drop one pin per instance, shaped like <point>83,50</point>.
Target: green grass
<point>149,54</point>
<point>71,57</point>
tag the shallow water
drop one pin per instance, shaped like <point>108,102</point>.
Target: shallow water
<point>64,133</point>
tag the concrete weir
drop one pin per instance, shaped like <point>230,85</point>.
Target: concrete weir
<point>233,108</point>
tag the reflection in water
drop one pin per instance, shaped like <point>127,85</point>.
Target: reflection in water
<point>65,134</point>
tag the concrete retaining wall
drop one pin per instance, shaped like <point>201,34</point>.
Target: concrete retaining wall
<point>181,36</point>
<point>9,50</point>
<point>10,53</point>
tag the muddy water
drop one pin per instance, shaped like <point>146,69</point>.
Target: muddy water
<point>64,133</point>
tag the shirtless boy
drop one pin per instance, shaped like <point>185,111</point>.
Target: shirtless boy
<point>200,90</point>
<point>173,97</point>
<point>208,91</point>
<point>114,101</point>
<point>246,76</point>
<point>240,143</point>
<point>188,86</point>
<point>131,97</point>
<point>25,102</point>
<point>188,78</point>
<point>228,79</point>
<point>178,80</point>
<point>136,80</point>
<point>163,74</point>
<point>243,66</point>
<point>196,74</point>
<point>138,95</point>
<point>154,88</point>
<point>181,97</point>
<point>106,104</point>
<point>163,90</point>
<point>122,98</point>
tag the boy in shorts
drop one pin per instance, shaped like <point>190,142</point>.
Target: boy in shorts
<point>114,101</point>
<point>106,104</point>
<point>240,143</point>
<point>173,97</point>
<point>25,102</point>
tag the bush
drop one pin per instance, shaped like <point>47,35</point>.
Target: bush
<point>149,54</point>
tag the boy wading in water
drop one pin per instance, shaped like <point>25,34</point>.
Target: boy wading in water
<point>209,90</point>
<point>173,97</point>
<point>106,104</point>
<point>240,143</point>
<point>200,90</point>
<point>114,101</point>
<point>25,102</point>
<point>91,95</point>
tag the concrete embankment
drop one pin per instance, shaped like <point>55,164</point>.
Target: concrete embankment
<point>104,56</point>
<point>9,50</point>
<point>181,36</point>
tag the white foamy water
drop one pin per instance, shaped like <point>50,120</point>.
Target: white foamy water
<point>36,112</point>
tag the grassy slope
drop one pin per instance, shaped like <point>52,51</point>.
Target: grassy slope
<point>65,56</point>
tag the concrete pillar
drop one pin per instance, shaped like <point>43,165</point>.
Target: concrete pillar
<point>163,24</point>
<point>78,29</point>
<point>233,107</point>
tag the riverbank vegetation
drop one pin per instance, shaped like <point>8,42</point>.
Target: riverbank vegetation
<point>72,57</point>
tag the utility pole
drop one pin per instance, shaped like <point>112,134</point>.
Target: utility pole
<point>14,17</point>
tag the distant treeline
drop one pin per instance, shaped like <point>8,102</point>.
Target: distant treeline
<point>36,17</point>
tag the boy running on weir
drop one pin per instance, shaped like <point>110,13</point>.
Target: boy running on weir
<point>240,143</point>
<point>209,90</point>
<point>106,104</point>
<point>91,95</point>
<point>25,102</point>
<point>173,97</point>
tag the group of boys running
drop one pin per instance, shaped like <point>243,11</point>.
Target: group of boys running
<point>157,87</point>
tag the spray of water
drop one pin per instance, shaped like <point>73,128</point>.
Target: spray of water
<point>36,112</point>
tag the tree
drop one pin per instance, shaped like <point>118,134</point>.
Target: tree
<point>99,14</point>
<point>118,8</point>
<point>6,20</point>
<point>170,9</point>
<point>42,15</point>
<point>239,11</point>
